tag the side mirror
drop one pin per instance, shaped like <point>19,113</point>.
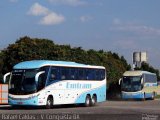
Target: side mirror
<point>37,75</point>
<point>120,81</point>
<point>5,76</point>
<point>142,81</point>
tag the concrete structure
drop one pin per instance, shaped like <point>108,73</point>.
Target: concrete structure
<point>138,58</point>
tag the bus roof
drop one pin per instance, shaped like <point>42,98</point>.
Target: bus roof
<point>136,73</point>
<point>40,63</point>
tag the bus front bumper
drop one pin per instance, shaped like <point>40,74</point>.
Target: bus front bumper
<point>132,95</point>
<point>25,101</point>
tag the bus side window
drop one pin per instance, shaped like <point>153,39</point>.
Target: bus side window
<point>102,74</point>
<point>93,74</point>
<point>155,79</point>
<point>90,74</point>
<point>53,74</point>
<point>80,74</point>
<point>63,73</point>
<point>41,81</point>
<point>97,74</point>
<point>87,74</point>
<point>72,73</point>
<point>144,79</point>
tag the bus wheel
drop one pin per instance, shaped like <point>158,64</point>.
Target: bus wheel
<point>87,101</point>
<point>153,96</point>
<point>144,97</point>
<point>49,102</point>
<point>93,100</point>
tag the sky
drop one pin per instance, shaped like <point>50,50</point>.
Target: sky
<point>121,26</point>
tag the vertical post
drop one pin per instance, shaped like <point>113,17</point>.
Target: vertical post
<point>3,94</point>
<point>0,93</point>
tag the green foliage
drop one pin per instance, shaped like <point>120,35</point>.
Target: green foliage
<point>1,66</point>
<point>147,67</point>
<point>27,48</point>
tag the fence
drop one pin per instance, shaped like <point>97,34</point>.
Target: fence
<point>3,94</point>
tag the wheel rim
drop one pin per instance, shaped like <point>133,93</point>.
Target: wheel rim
<point>93,101</point>
<point>144,97</point>
<point>153,96</point>
<point>87,101</point>
<point>49,103</point>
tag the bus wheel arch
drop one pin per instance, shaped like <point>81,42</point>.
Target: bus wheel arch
<point>93,100</point>
<point>50,101</point>
<point>87,100</point>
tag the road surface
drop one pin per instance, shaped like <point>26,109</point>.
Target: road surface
<point>109,110</point>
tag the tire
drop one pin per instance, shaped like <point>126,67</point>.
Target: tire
<point>144,98</point>
<point>93,100</point>
<point>49,103</point>
<point>153,96</point>
<point>15,107</point>
<point>87,101</point>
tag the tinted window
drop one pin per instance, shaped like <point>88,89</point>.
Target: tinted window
<point>23,82</point>
<point>90,73</point>
<point>65,73</point>
<point>54,74</point>
<point>102,74</point>
<point>73,74</point>
<point>150,78</point>
<point>97,74</point>
<point>81,74</point>
<point>42,78</point>
<point>131,83</point>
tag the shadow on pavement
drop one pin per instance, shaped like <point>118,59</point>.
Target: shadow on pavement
<point>8,107</point>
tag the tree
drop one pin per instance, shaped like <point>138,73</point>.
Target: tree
<point>146,67</point>
<point>27,48</point>
<point>1,66</point>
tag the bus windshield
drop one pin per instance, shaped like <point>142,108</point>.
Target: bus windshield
<point>23,82</point>
<point>131,83</point>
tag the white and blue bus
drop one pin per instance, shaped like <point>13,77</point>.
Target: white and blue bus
<point>138,85</point>
<point>43,82</point>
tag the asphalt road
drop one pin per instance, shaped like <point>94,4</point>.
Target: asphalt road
<point>109,110</point>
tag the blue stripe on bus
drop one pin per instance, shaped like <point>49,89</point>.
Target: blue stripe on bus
<point>39,63</point>
<point>138,95</point>
<point>100,92</point>
<point>150,84</point>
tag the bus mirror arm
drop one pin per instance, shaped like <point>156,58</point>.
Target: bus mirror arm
<point>37,75</point>
<point>120,81</point>
<point>142,81</point>
<point>5,76</point>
